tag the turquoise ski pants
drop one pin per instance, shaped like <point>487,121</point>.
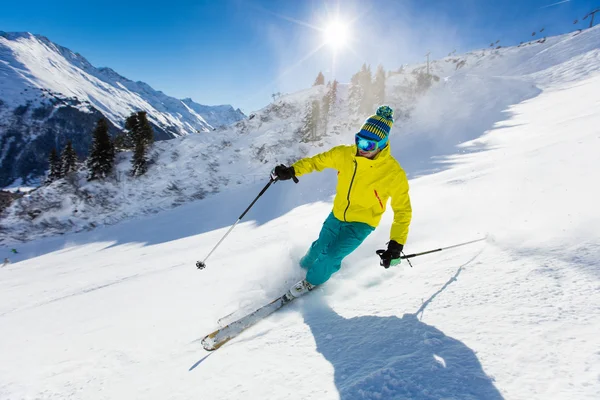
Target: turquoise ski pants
<point>336,240</point>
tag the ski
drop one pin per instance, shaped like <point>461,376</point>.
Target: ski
<point>218,338</point>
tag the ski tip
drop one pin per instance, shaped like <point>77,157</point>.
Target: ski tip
<point>210,344</point>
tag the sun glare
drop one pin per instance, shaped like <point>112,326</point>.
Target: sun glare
<point>336,34</point>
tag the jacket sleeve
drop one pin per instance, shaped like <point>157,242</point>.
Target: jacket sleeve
<point>328,159</point>
<point>402,210</point>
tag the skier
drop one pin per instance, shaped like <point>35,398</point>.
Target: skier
<point>368,176</point>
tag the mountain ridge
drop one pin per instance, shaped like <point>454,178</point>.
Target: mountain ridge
<point>38,74</point>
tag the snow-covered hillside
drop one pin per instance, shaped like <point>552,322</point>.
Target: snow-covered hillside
<point>40,81</point>
<point>118,312</point>
<point>473,93</point>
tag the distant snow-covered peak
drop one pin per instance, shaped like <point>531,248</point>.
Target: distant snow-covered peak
<point>33,61</point>
<point>220,115</point>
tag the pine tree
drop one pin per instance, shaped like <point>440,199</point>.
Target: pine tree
<point>139,162</point>
<point>328,103</point>
<point>325,108</point>
<point>102,155</point>
<point>333,95</point>
<point>326,98</point>
<point>310,122</point>
<point>128,140</point>
<point>68,159</point>
<point>143,137</point>
<point>320,79</point>
<point>355,93</point>
<point>54,167</point>
<point>315,119</point>
<point>379,86</point>
<point>139,137</point>
<point>146,131</point>
<point>366,83</point>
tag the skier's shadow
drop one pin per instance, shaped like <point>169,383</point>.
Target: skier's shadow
<point>397,358</point>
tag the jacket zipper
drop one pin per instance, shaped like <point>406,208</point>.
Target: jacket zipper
<point>350,188</point>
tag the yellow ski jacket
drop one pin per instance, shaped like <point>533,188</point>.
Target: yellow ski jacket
<point>364,187</point>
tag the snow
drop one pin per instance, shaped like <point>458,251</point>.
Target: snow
<point>119,311</point>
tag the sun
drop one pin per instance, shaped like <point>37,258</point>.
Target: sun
<point>336,34</point>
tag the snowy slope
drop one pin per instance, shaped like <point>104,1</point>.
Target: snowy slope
<point>118,312</point>
<point>183,169</point>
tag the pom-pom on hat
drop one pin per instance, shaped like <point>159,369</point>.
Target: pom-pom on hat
<point>377,127</point>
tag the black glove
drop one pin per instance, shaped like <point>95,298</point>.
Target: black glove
<point>391,256</point>
<point>283,173</point>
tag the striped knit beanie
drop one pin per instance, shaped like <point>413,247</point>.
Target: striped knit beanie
<point>377,127</point>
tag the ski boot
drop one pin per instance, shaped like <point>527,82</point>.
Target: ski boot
<point>298,290</point>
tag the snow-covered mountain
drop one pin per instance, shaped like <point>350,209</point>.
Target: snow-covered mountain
<point>216,116</point>
<point>119,311</point>
<point>473,93</point>
<point>49,94</point>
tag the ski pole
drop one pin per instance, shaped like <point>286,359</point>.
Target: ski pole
<point>202,264</point>
<point>440,249</point>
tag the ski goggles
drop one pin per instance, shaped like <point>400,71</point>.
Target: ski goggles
<point>369,145</point>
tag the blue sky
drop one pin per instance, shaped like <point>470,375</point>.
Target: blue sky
<point>240,52</point>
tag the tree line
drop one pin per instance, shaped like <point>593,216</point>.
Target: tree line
<point>366,91</point>
<point>137,137</point>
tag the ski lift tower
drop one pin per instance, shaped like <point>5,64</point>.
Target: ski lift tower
<point>592,13</point>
